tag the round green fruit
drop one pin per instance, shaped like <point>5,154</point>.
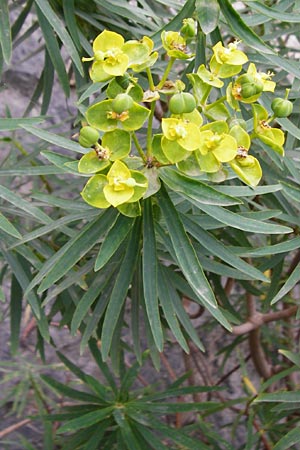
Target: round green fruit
<point>182,103</point>
<point>121,103</point>
<point>282,107</point>
<point>88,136</point>
<point>249,86</point>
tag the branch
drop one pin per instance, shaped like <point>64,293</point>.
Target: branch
<point>14,427</point>
<point>258,319</point>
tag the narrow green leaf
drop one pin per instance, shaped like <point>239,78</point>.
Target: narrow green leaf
<point>166,301</point>
<point>100,390</point>
<point>294,357</point>
<point>152,440</point>
<point>50,263</point>
<point>22,272</point>
<point>120,289</point>
<point>128,379</point>
<point>291,191</point>
<point>274,13</point>
<point>48,81</point>
<point>283,247</point>
<point>240,29</point>
<point>93,321</point>
<point>30,171</point>
<point>16,297</point>
<point>56,158</point>
<point>288,285</point>
<point>70,18</point>
<point>183,287</point>
<point>284,396</point>
<point>55,139</point>
<point>17,25</point>
<point>87,300</point>
<point>175,435</point>
<point>95,439</point>
<point>67,391</point>
<point>8,228</point>
<point>184,251</point>
<point>5,31</point>
<point>247,191</point>
<point>290,67</point>
<point>235,220</point>
<point>129,437</point>
<point>55,225</point>
<point>63,260</point>
<point>24,205</point>
<point>150,274</point>
<point>195,189</point>
<point>113,239</point>
<point>61,31</point>
<point>54,51</point>
<point>102,365</point>
<point>135,320</point>
<point>86,420</point>
<point>177,392</point>
<point>207,14</point>
<point>15,123</point>
<point>287,441</point>
<point>216,247</point>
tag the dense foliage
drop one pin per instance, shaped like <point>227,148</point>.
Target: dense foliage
<point>168,221</point>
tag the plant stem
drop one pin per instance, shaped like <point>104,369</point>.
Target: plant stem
<point>220,100</point>
<point>149,130</point>
<point>150,79</point>
<point>138,147</point>
<point>167,71</point>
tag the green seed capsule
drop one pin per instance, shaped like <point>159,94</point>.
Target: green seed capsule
<point>188,29</point>
<point>122,103</point>
<point>182,103</point>
<point>248,86</point>
<point>88,136</point>
<point>282,107</point>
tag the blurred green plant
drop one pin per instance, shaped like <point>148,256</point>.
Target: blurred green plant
<point>200,238</point>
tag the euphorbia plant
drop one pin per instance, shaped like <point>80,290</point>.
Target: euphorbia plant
<point>156,148</point>
<point>202,132</point>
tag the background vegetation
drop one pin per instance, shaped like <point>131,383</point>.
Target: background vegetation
<point>243,393</point>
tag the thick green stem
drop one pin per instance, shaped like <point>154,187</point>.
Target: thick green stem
<point>150,79</point>
<point>167,71</point>
<point>138,147</point>
<point>220,100</point>
<point>149,130</point>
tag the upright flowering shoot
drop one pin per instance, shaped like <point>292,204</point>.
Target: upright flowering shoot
<point>199,132</point>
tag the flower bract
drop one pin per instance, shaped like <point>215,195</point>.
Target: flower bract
<point>119,186</point>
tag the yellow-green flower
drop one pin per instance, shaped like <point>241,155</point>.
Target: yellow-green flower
<point>216,146</point>
<point>151,56</point>
<point>227,61</point>
<point>175,45</point>
<point>185,133</point>
<point>247,168</point>
<point>230,54</point>
<point>113,56</point>
<point>273,137</point>
<point>118,187</point>
<point>209,77</point>
<point>264,78</point>
<point>104,117</point>
<point>115,145</point>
